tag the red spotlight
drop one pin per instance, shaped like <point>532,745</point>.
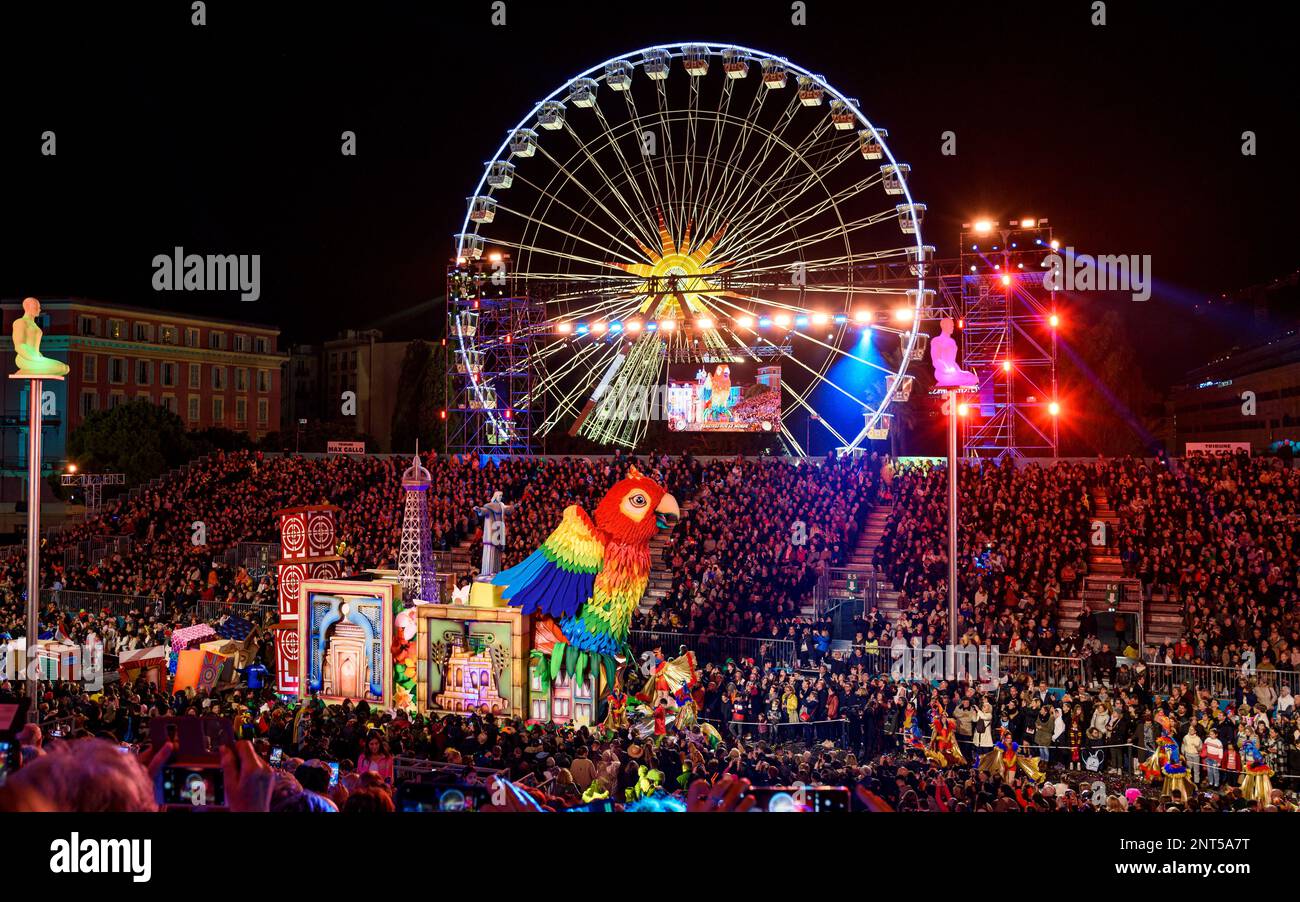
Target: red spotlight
<point>1006,280</point>
<point>962,410</point>
<point>442,414</point>
<point>1006,366</point>
<point>1054,409</point>
<point>1054,321</point>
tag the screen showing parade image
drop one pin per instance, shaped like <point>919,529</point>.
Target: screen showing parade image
<point>724,397</point>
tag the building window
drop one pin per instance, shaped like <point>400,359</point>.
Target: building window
<point>263,411</point>
<point>263,380</point>
<point>241,411</point>
<point>241,342</point>
<point>116,370</point>
<point>89,403</point>
<point>116,328</point>
<point>115,399</point>
<point>167,335</point>
<point>89,368</point>
<point>87,325</point>
<point>144,332</point>
<point>191,338</point>
<point>261,344</point>
<point>217,341</point>
<point>167,374</point>
<point>193,404</point>
<point>168,402</point>
<point>218,378</point>
<point>143,372</point>
<point>218,410</point>
<point>241,378</point>
<point>196,375</point>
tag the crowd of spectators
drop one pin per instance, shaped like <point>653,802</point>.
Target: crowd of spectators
<point>1023,542</point>
<point>846,723</point>
<point>1217,534</point>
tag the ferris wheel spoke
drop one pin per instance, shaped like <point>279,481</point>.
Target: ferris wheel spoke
<point>767,250</point>
<point>640,223</point>
<point>629,257</point>
<point>578,214</point>
<point>753,233</point>
<point>745,128</point>
<point>635,117</point>
<point>752,220</point>
<point>613,191</point>
<point>661,104</point>
<point>801,153</point>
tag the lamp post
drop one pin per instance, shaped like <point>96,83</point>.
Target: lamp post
<point>952,517</point>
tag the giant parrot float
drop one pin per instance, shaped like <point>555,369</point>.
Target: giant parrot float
<point>582,585</point>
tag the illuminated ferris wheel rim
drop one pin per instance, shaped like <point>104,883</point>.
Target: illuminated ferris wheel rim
<point>597,73</point>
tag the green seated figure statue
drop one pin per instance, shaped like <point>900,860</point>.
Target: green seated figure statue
<point>27,344</point>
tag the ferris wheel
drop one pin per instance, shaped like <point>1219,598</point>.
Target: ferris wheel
<point>709,227</point>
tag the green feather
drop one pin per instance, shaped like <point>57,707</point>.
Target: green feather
<point>607,667</point>
<point>582,667</point>
<point>557,658</point>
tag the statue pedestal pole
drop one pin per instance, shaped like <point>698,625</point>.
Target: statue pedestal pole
<point>33,535</point>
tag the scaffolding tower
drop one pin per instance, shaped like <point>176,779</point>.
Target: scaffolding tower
<point>1008,333</point>
<point>491,409</point>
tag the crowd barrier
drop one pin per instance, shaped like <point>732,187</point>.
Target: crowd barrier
<point>711,649</point>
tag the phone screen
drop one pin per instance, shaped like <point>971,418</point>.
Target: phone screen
<point>277,756</point>
<point>334,773</point>
<point>198,787</point>
<point>427,797</point>
<point>10,757</point>
<point>800,798</point>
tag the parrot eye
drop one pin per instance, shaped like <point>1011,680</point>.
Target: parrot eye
<point>639,500</point>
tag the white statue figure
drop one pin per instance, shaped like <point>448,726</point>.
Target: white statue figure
<point>494,534</point>
<point>943,354</point>
<point>27,345</point>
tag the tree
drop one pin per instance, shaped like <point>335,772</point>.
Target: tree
<point>421,397</point>
<point>1111,407</point>
<point>138,438</point>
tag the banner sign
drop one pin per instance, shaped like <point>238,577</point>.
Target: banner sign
<point>346,447</point>
<point>1215,448</point>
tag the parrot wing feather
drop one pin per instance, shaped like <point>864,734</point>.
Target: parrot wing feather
<point>557,579</point>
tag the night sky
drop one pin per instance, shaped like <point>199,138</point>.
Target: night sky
<point>225,138</point>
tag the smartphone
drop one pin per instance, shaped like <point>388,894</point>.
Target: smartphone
<point>56,734</point>
<point>11,756</point>
<point>600,806</point>
<point>800,798</point>
<point>277,756</point>
<point>197,787</point>
<point>442,797</point>
<point>334,773</point>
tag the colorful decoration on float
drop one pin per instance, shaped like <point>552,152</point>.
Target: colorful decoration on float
<point>582,585</point>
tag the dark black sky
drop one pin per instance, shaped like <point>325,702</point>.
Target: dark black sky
<point>226,138</point>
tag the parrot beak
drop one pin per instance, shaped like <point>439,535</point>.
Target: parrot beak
<point>667,513</point>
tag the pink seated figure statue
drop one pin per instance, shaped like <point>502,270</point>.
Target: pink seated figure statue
<point>943,354</point>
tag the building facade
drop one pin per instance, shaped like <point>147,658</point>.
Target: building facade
<point>1251,395</point>
<point>209,372</point>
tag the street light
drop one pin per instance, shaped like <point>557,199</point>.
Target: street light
<point>807,433</point>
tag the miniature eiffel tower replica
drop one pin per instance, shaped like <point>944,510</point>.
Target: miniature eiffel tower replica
<point>415,565</point>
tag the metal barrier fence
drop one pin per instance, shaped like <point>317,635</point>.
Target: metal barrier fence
<point>406,768</point>
<point>75,600</point>
<point>1221,681</point>
<point>1043,669</point>
<point>257,558</point>
<point>714,649</point>
<point>209,611</point>
<point>809,732</point>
